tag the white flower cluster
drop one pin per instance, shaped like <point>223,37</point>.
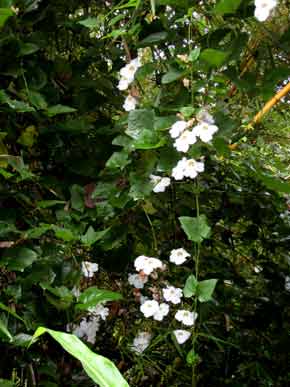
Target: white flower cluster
<point>100,310</point>
<point>172,294</point>
<point>185,135</point>
<point>151,308</point>
<point>127,74</point>
<point>89,268</point>
<point>263,9</point>
<point>147,264</point>
<point>141,342</point>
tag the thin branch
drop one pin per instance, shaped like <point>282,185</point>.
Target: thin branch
<point>272,102</point>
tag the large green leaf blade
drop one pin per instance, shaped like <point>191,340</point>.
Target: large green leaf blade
<point>205,289</point>
<point>100,369</point>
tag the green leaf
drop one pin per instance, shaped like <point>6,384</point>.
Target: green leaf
<point>28,49</point>
<point>49,203</point>
<point>18,258</point>
<point>18,106</point>
<point>171,76</point>
<point>64,233</point>
<point>77,197</point>
<point>100,369</point>
<point>196,229</point>
<point>90,22</point>
<point>92,236</point>
<point>226,6</point>
<point>153,7</point>
<point>59,109</point>
<point>118,160</point>
<point>10,311</point>
<point>274,183</point>
<point>28,136</point>
<point>93,296</point>
<point>205,289</point>
<point>5,13</point>
<point>5,331</point>
<point>190,286</point>
<point>194,54</point>
<point>37,100</point>
<point>214,58</point>
<point>153,39</point>
<point>141,129</point>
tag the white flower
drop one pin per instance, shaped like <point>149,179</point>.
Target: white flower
<point>87,329</point>
<point>183,142</point>
<point>178,170</point>
<point>205,131</point>
<point>147,264</point>
<point>128,73</point>
<point>137,280</point>
<point>177,128</point>
<point>181,335</point>
<point>172,294</point>
<point>178,256</point>
<point>100,310</point>
<point>287,283</point>
<point>130,103</point>
<point>160,183</point>
<point>192,168</point>
<point>264,8</point>
<point>162,312</point>
<point>149,308</point>
<point>123,84</point>
<point>89,268</point>
<point>141,342</point>
<point>76,292</point>
<point>186,317</point>
<point>187,168</point>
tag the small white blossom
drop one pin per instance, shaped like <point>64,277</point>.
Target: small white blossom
<point>187,168</point>
<point>128,74</point>
<point>87,329</point>
<point>76,292</point>
<point>149,308</point>
<point>287,283</point>
<point>137,280</point>
<point>130,103</point>
<point>160,183</point>
<point>123,84</point>
<point>100,310</point>
<point>178,170</point>
<point>205,131</point>
<point>147,264</point>
<point>89,268</point>
<point>186,317</point>
<point>141,342</point>
<point>183,142</point>
<point>205,116</point>
<point>178,256</point>
<point>181,335</point>
<point>162,312</point>
<point>264,8</point>
<point>177,128</point>
<point>172,294</point>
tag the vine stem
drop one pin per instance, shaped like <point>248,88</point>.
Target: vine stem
<point>197,260</point>
<point>155,245</point>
